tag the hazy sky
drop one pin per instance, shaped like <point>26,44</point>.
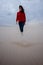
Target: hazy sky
<point>8,9</point>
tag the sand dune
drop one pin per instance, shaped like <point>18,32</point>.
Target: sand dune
<point>16,49</point>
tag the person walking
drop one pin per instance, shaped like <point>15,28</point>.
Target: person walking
<point>21,18</point>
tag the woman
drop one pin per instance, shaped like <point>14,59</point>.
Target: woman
<point>21,18</point>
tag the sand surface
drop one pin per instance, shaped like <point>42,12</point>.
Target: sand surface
<point>17,49</point>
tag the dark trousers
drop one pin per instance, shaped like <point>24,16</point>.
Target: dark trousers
<point>21,26</point>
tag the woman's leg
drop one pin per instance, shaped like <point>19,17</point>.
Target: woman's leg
<point>21,26</point>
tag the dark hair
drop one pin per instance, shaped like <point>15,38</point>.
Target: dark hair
<point>20,6</point>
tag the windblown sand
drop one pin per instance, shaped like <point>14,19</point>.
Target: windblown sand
<point>17,49</point>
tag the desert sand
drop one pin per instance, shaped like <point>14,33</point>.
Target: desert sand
<point>17,49</point>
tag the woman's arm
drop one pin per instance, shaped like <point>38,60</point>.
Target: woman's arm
<point>25,17</point>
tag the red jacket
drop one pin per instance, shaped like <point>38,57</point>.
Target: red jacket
<point>21,17</point>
